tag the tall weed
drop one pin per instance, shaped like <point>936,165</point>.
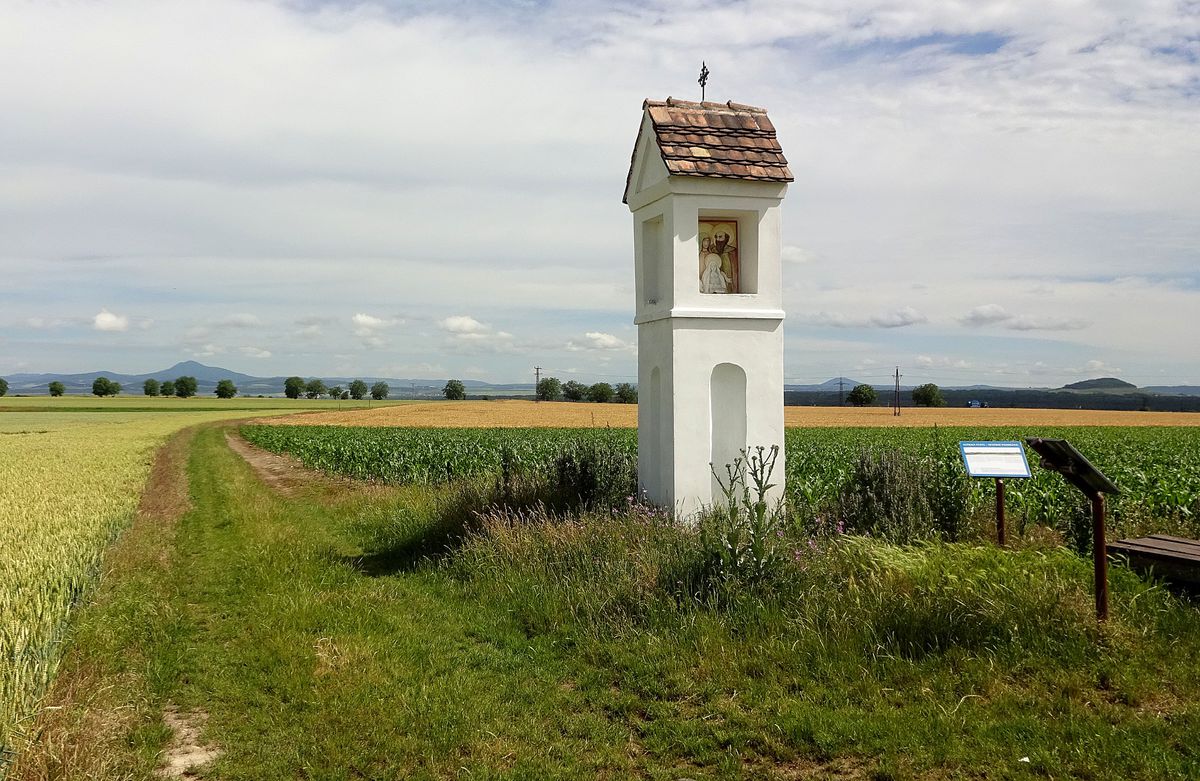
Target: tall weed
<point>741,538</point>
<point>902,498</point>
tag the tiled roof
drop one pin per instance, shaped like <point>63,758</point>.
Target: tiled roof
<point>724,140</point>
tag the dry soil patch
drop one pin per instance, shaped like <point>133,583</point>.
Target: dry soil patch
<point>186,752</point>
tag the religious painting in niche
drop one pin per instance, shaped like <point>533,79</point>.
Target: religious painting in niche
<point>718,256</point>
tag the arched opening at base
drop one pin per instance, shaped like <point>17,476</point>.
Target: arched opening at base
<point>727,420</point>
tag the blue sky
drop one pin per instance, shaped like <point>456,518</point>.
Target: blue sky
<point>994,192</point>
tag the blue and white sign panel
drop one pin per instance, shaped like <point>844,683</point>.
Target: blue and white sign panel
<point>994,459</point>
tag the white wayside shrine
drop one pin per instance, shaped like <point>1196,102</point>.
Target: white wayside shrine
<point>705,186</point>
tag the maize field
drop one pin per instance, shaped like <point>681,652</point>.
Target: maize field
<point>1157,468</point>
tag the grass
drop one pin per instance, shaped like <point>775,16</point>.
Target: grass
<point>351,632</point>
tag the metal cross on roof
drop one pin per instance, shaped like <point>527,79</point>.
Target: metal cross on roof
<point>703,80</point>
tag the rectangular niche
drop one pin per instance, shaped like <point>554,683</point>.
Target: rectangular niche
<point>654,258</point>
<point>727,247</point>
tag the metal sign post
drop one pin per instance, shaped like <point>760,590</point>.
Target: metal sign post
<point>1059,456</point>
<point>997,460</point>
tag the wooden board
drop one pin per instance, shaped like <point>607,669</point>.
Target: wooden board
<point>1175,559</point>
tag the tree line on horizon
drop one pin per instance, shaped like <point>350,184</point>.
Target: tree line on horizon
<point>314,388</point>
<point>186,387</point>
<point>553,389</point>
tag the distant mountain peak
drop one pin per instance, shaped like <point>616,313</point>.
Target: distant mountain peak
<point>194,366</point>
<point>1101,383</point>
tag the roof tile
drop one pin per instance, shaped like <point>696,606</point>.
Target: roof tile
<point>724,140</point>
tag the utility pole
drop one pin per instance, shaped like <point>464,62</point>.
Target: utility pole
<point>537,380</point>
<point>896,402</point>
<point>841,398</point>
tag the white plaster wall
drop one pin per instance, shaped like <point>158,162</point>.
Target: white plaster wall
<point>656,453</point>
<point>700,344</point>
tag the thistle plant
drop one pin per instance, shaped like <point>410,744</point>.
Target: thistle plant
<point>742,536</point>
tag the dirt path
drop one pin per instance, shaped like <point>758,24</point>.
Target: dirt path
<point>282,474</point>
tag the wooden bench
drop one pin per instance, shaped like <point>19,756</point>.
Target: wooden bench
<point>1174,559</point>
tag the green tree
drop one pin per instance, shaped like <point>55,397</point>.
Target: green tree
<point>928,395</point>
<point>168,388</point>
<point>185,387</point>
<point>293,387</point>
<point>226,389</point>
<point>379,391</point>
<point>574,391</point>
<point>358,389</point>
<point>103,386</point>
<point>314,388</point>
<point>151,387</point>
<point>626,393</point>
<point>335,392</point>
<point>862,395</point>
<point>3,386</point>
<point>56,388</point>
<point>454,390</point>
<point>549,389</point>
<point>600,393</point>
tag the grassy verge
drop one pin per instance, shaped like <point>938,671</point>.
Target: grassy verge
<point>358,634</point>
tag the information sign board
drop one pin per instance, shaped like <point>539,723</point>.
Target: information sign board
<point>994,459</point>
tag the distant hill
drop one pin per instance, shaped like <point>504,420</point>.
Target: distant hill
<point>1173,390</point>
<point>1101,384</point>
<point>829,386</point>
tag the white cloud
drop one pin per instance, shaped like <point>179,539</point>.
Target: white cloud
<point>1097,366</point>
<point>364,322</point>
<point>598,340</point>
<point>465,333</point>
<point>368,329</point>
<point>47,323</point>
<point>313,325</point>
<point>463,324</point>
<point>208,350</point>
<point>898,318</point>
<point>1046,323</point>
<point>239,320</point>
<point>255,352</point>
<point>994,314</point>
<point>797,255</point>
<point>107,321</point>
<point>986,315</point>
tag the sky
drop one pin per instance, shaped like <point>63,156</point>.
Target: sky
<point>985,192</point>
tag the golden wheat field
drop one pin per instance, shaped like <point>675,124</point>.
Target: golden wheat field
<point>519,413</point>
